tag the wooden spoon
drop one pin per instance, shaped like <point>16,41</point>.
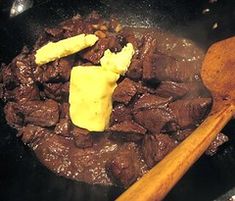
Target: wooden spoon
<point>218,75</point>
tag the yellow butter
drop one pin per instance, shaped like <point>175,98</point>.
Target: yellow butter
<point>118,62</point>
<point>65,47</point>
<point>90,97</point>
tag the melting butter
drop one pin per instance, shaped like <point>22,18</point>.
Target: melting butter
<point>91,89</point>
<point>65,47</point>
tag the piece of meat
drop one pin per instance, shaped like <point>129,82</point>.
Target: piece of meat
<point>55,33</point>
<point>63,127</point>
<point>156,147</point>
<point>64,110</point>
<point>218,141</point>
<point>127,131</point>
<point>23,93</point>
<point>124,92</point>
<point>40,113</point>
<point>129,37</point>
<point>180,135</point>
<point>172,89</point>
<point>122,167</point>
<point>56,71</point>
<point>94,54</point>
<point>32,134</point>
<point>82,137</point>
<point>13,115</point>
<point>119,114</point>
<point>151,112</point>
<point>190,112</point>
<point>149,46</point>
<point>23,66</point>
<point>9,79</point>
<point>57,91</point>
<point>135,70</point>
<point>73,26</point>
<point>1,91</point>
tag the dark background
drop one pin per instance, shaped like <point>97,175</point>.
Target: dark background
<point>22,177</point>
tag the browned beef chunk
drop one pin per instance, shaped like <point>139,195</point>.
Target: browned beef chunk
<point>135,69</point>
<point>56,71</point>
<point>82,138</point>
<point>219,140</point>
<point>41,113</point>
<point>57,91</point>
<point>1,91</point>
<point>73,26</point>
<point>56,33</point>
<point>129,37</point>
<point>150,111</point>
<point>94,53</point>
<point>149,101</point>
<point>14,116</point>
<point>9,79</point>
<point>23,67</point>
<point>124,92</point>
<point>127,131</point>
<point>156,147</point>
<point>180,135</point>
<point>149,46</point>
<point>142,88</point>
<point>64,110</point>
<point>120,113</point>
<point>23,93</point>
<point>190,112</point>
<point>122,167</point>
<point>172,89</point>
<point>63,127</point>
<point>32,134</point>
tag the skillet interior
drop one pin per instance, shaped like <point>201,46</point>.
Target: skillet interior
<point>22,177</point>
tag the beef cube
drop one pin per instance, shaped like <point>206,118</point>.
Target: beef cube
<point>190,112</point>
<point>148,101</point>
<point>156,147</point>
<point>135,69</point>
<point>82,137</point>
<point>127,131</point>
<point>172,89</point>
<point>63,127</point>
<point>142,88</point>
<point>24,93</point>
<point>124,92</point>
<point>149,45</point>
<point>14,116</point>
<point>180,135</point>
<point>122,167</point>
<point>119,114</point>
<point>32,134</point>
<point>73,26</point>
<point>55,33</point>
<point>1,91</point>
<point>129,37</point>
<point>150,111</point>
<point>56,71</point>
<point>218,141</point>
<point>9,79</point>
<point>57,91</point>
<point>64,110</point>
<point>41,113</point>
<point>94,54</point>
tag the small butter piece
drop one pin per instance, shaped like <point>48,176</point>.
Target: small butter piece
<point>90,97</point>
<point>65,47</point>
<point>118,62</point>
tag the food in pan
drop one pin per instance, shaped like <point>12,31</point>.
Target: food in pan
<point>133,94</point>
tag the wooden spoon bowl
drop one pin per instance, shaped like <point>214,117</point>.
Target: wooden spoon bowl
<point>218,75</point>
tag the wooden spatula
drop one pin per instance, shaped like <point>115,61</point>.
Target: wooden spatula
<point>218,75</point>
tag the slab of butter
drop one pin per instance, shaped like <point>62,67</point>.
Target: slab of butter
<point>90,97</point>
<point>65,47</point>
<point>118,62</point>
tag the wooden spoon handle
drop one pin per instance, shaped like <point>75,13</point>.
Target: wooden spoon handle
<point>160,179</point>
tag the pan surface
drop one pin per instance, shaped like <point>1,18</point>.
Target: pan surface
<point>22,177</point>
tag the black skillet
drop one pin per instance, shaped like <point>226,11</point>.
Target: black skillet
<point>22,177</point>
